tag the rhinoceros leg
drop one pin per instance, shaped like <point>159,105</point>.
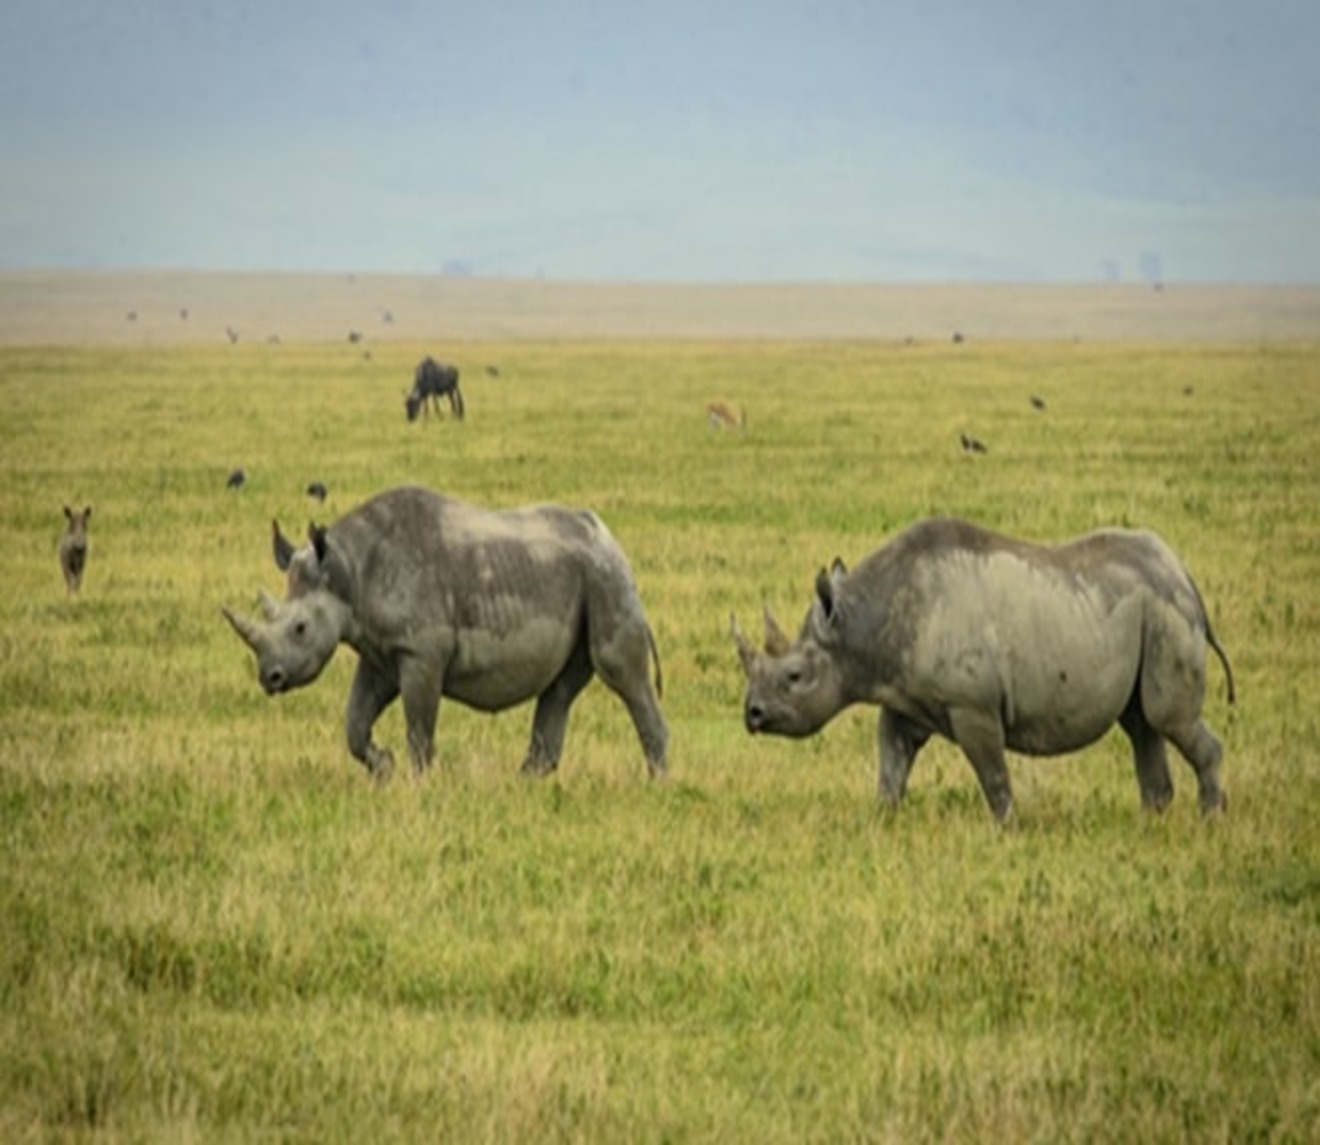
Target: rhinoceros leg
<point>900,740</point>
<point>1151,759</point>
<point>551,719</point>
<point>623,661</point>
<point>421,685</point>
<point>981,736</point>
<point>372,692</point>
<point>1202,750</point>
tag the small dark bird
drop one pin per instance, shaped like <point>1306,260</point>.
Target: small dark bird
<point>972,445</point>
<point>317,489</point>
<point>236,479</point>
<point>1037,401</point>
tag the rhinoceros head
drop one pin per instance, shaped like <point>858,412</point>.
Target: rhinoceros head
<point>795,687</point>
<point>295,639</point>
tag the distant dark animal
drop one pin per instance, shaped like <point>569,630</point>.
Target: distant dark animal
<point>73,547</point>
<point>183,314</point>
<point>317,489</point>
<point>1037,402</point>
<point>972,444</point>
<point>237,479</point>
<point>431,381</point>
<point>441,598</point>
<point>958,338</point>
<point>492,371</point>
<point>231,334</point>
<point>131,316</point>
<point>387,316</point>
<point>355,336</point>
<point>998,644</point>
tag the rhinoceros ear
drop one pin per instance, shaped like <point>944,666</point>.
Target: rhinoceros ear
<point>316,534</point>
<point>281,546</point>
<point>827,589</point>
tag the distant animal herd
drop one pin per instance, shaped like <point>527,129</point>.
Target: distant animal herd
<point>990,642</point>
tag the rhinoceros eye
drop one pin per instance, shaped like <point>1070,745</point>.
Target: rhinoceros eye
<point>795,676</point>
<point>300,629</point>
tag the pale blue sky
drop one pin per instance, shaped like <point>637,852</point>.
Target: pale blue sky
<point>749,140</point>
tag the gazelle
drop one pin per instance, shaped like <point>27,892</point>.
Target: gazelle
<point>721,416</point>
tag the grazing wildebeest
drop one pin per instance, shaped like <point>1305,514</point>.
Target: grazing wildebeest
<point>73,547</point>
<point>997,643</point>
<point>432,381</point>
<point>237,479</point>
<point>972,444</point>
<point>318,490</point>
<point>441,598</point>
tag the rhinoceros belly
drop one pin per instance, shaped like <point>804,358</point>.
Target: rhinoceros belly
<point>490,671</point>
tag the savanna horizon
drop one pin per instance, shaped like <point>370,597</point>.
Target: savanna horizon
<point>212,923</point>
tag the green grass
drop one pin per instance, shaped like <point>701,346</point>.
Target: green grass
<point>213,927</point>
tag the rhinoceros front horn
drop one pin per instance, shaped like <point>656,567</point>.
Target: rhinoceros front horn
<point>746,653</point>
<point>247,629</point>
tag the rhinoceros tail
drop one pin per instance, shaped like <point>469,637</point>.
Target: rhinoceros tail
<point>1213,641</point>
<point>655,655</point>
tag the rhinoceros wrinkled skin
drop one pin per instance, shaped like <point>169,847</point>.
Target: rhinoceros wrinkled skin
<point>998,644</point>
<point>442,598</point>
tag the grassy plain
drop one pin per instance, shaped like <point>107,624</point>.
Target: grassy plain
<point>213,927</point>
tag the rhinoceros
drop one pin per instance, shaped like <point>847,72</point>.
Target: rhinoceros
<point>442,598</point>
<point>997,643</point>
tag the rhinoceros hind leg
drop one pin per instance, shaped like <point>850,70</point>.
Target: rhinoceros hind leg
<point>1150,758</point>
<point>551,720</point>
<point>624,665</point>
<point>981,736</point>
<point>1203,751</point>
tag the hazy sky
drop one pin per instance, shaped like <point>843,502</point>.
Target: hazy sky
<point>734,140</point>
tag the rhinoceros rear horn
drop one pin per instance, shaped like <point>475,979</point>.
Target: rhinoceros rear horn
<point>316,534</point>
<point>281,546</point>
<point>776,643</point>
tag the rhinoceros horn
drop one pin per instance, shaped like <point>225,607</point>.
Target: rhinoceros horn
<point>269,608</point>
<point>746,653</point>
<point>776,643</point>
<point>249,630</point>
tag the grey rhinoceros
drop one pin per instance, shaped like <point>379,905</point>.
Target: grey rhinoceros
<point>996,643</point>
<point>441,598</point>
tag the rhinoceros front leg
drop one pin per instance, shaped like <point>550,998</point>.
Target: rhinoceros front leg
<point>421,685</point>
<point>900,740</point>
<point>372,692</point>
<point>551,720</point>
<point>981,736</point>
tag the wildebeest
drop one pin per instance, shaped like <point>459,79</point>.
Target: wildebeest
<point>1037,402</point>
<point>441,598</point>
<point>73,547</point>
<point>433,380</point>
<point>972,444</point>
<point>236,480</point>
<point>318,490</point>
<point>997,643</point>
